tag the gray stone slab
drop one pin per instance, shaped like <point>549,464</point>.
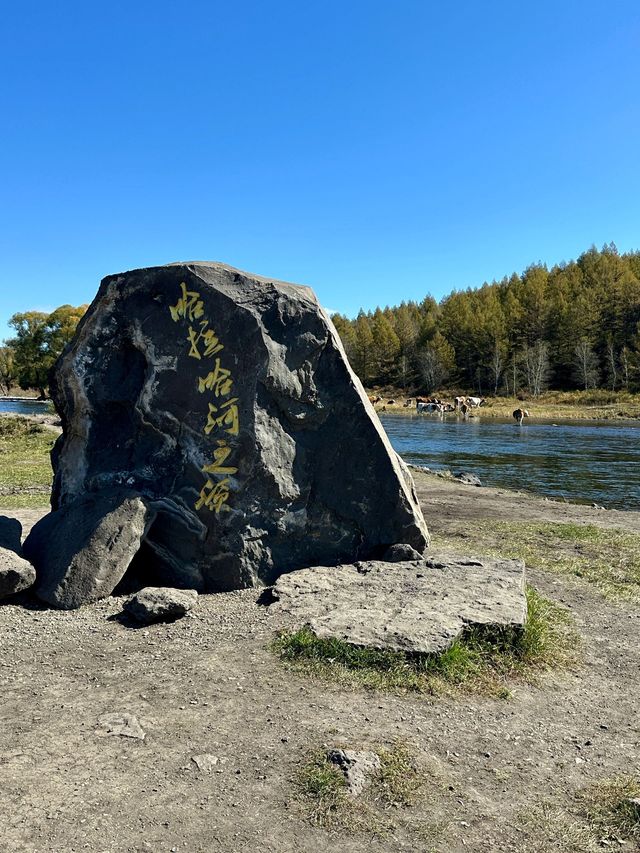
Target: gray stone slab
<point>418,606</point>
<point>358,768</point>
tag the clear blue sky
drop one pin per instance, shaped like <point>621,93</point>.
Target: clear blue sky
<point>374,150</point>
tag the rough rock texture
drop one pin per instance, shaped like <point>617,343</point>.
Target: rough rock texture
<point>82,550</point>
<point>207,762</point>
<point>358,767</point>
<point>467,478</point>
<point>160,603</point>
<point>225,400</point>
<point>16,573</point>
<point>400,553</point>
<point>11,534</point>
<point>404,606</point>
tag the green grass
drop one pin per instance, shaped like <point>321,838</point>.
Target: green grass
<point>596,818</point>
<point>479,661</point>
<point>325,799</point>
<point>607,558</point>
<point>25,467</point>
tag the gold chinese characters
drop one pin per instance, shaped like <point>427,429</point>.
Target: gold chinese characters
<point>222,417</point>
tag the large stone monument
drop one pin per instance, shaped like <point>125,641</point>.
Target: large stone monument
<point>215,437</point>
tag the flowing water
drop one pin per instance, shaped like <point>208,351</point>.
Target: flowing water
<point>23,407</point>
<point>583,461</point>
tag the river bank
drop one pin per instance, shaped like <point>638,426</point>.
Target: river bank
<point>500,774</point>
<point>560,405</point>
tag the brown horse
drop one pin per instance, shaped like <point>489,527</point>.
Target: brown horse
<point>520,414</point>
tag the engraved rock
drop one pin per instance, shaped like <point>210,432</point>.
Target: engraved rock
<point>225,402</point>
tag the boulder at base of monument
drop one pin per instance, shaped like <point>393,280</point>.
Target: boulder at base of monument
<point>16,574</point>
<point>82,550</point>
<point>225,403</point>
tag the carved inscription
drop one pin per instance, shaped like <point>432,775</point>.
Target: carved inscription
<point>222,418</point>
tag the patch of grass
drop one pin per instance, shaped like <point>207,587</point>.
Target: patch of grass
<point>398,781</point>
<point>598,817</point>
<point>25,466</point>
<point>323,789</point>
<point>607,558</point>
<point>325,799</point>
<point>480,660</point>
<point>608,809</point>
<point>25,501</point>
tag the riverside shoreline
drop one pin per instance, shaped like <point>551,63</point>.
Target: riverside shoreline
<point>554,406</point>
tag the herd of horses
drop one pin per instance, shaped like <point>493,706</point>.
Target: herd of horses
<point>432,405</point>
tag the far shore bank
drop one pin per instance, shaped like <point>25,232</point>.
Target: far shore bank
<point>594,405</point>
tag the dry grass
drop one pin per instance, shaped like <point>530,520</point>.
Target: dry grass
<point>325,800</point>
<point>607,558</point>
<point>597,818</point>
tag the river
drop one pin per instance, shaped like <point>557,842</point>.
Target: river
<point>582,461</point>
<point>23,406</point>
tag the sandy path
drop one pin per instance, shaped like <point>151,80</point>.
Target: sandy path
<point>209,684</point>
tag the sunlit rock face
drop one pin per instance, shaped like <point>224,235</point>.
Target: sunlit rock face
<point>224,402</point>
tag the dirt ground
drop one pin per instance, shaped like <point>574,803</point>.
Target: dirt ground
<point>209,684</point>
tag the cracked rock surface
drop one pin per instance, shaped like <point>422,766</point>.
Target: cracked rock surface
<point>417,606</point>
<point>225,403</point>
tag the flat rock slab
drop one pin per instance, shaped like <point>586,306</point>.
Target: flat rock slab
<point>207,762</point>
<point>160,604</point>
<point>120,725</point>
<point>417,606</point>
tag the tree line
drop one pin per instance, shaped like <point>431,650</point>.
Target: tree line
<point>576,325</point>
<point>40,337</point>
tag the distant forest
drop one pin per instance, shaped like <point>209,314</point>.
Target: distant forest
<point>576,325</point>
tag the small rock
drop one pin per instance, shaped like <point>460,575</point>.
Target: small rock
<point>160,603</point>
<point>634,802</point>
<point>467,479</point>
<point>122,725</point>
<point>205,762</point>
<point>16,573</point>
<point>357,767</point>
<point>398,553</point>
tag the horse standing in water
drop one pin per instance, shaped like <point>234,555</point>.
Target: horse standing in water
<point>520,414</point>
